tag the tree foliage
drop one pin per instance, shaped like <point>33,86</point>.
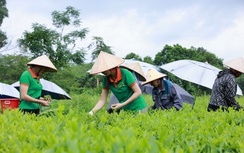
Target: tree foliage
<point>75,79</point>
<point>97,46</point>
<point>60,45</point>
<point>3,14</point>
<point>148,59</point>
<point>177,52</point>
<point>133,56</point>
<point>12,66</point>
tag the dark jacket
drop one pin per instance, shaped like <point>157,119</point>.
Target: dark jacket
<point>167,97</point>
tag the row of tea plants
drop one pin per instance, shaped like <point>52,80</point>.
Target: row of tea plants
<point>67,127</point>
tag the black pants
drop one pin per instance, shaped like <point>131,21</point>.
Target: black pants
<point>214,108</point>
<point>31,111</point>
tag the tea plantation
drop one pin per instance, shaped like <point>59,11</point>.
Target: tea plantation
<point>66,127</point>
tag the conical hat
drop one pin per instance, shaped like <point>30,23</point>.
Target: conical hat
<point>136,67</point>
<point>43,61</point>
<point>237,64</point>
<point>104,62</point>
<point>153,75</point>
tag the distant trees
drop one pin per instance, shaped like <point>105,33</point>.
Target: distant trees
<point>75,78</point>
<point>60,45</point>
<point>133,56</point>
<point>11,67</point>
<point>177,52</point>
<point>148,59</point>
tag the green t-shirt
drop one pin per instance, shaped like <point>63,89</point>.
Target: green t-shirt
<point>124,92</point>
<point>34,90</point>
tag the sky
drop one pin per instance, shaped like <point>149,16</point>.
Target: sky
<point>141,26</point>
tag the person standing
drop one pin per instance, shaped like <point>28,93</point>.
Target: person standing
<point>225,86</point>
<point>30,86</point>
<point>164,93</point>
<point>120,81</point>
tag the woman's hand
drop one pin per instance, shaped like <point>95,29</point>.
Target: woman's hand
<point>45,101</point>
<point>117,106</point>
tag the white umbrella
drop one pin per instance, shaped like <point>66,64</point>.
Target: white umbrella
<point>144,66</point>
<point>8,91</point>
<point>49,88</point>
<point>199,73</point>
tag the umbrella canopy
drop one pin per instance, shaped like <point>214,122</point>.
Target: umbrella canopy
<point>185,96</point>
<point>8,91</point>
<point>49,88</point>
<point>144,66</point>
<point>199,73</point>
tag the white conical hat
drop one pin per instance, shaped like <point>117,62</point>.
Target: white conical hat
<point>104,62</point>
<point>237,64</point>
<point>43,61</point>
<point>153,75</point>
<point>136,67</point>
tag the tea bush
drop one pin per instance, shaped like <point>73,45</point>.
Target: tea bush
<point>66,126</point>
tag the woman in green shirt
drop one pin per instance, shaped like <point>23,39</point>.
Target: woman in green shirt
<point>30,86</point>
<point>120,81</point>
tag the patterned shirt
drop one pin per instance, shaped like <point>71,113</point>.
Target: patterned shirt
<point>167,97</point>
<point>224,90</point>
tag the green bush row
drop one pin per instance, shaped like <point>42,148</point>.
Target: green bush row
<point>66,127</point>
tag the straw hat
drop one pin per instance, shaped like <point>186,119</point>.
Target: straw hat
<point>237,64</point>
<point>136,67</point>
<point>43,61</point>
<point>104,62</point>
<point>153,75</point>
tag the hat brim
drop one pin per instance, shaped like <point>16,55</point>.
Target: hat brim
<point>151,80</point>
<point>153,75</point>
<point>236,64</point>
<point>104,62</point>
<point>48,69</point>
<point>43,61</point>
<point>135,67</point>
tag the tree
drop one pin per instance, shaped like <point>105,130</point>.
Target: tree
<point>3,14</point>
<point>75,79</point>
<point>97,46</point>
<point>133,56</point>
<point>12,66</point>
<point>203,55</point>
<point>177,52</point>
<point>148,59</point>
<point>58,44</point>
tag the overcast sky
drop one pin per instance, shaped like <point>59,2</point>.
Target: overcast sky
<point>142,26</point>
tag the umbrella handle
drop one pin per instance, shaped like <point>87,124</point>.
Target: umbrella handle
<point>195,96</point>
